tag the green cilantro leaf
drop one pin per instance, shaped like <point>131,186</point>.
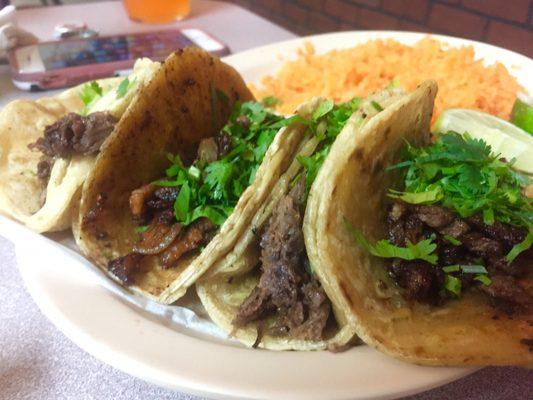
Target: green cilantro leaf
<point>423,250</point>
<point>323,108</point>
<point>376,105</point>
<point>89,93</point>
<point>452,240</point>
<point>211,190</point>
<point>427,197</point>
<point>270,101</point>
<point>484,279</point>
<point>451,268</point>
<point>218,175</point>
<point>328,119</point>
<point>141,229</point>
<point>488,216</point>
<point>182,203</point>
<point>520,247</point>
<point>123,87</point>
<point>461,173</point>
<point>467,269</point>
<point>452,284</point>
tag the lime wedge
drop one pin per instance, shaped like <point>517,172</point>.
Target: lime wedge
<point>504,138</point>
<point>522,114</point>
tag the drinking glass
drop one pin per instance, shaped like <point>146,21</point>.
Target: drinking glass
<point>157,11</point>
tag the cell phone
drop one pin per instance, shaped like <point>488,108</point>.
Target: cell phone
<point>57,64</point>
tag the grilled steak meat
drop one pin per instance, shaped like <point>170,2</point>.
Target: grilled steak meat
<point>475,243</point>
<point>125,267</point>
<point>509,293</point>
<point>76,134</point>
<point>285,286</point>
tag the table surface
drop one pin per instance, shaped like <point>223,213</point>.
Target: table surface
<point>39,362</point>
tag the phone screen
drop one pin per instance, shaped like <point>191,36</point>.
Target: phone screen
<point>73,53</point>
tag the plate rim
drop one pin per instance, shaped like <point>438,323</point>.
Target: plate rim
<point>376,33</point>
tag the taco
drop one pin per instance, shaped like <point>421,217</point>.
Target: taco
<point>426,245</point>
<point>48,147</point>
<point>170,177</point>
<point>265,292</point>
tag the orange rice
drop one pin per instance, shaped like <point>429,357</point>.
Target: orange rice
<point>342,74</point>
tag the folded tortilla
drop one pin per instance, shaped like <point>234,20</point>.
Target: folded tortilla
<point>23,196</point>
<point>230,281</point>
<point>189,99</point>
<point>353,184</point>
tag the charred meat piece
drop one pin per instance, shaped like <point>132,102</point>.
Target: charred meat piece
<point>507,289</point>
<point>198,234</point>
<point>414,229</point>
<point>506,234</point>
<point>282,247</point>
<point>167,194</point>
<point>94,213</point>
<point>76,134</point>
<point>396,223</point>
<point>163,198</point>
<point>456,229</point>
<point>224,144</point>
<point>254,307</point>
<point>421,281</point>
<point>138,199</point>
<point>477,243</point>
<point>404,225</point>
<point>243,121</point>
<point>519,267</point>
<point>481,246</point>
<point>434,216</point>
<point>319,309</point>
<point>450,254</point>
<point>208,150</point>
<point>214,148</point>
<point>43,170</point>
<point>285,285</point>
<point>125,267</point>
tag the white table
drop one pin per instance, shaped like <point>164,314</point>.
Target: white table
<point>36,360</point>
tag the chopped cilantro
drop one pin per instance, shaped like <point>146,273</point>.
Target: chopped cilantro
<point>270,101</point>
<point>520,247</point>
<point>488,216</point>
<point>451,268</point>
<point>182,203</point>
<point>452,284</point>
<point>212,190</point>
<point>423,250</point>
<point>376,105</point>
<point>123,87</point>
<point>452,240</point>
<point>484,279</point>
<point>322,109</point>
<point>467,269</point>
<point>141,229</point>
<point>427,197</point>
<point>90,92</point>
<point>462,174</point>
<point>474,269</point>
<point>327,122</point>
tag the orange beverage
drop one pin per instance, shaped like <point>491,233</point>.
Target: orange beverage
<point>157,11</point>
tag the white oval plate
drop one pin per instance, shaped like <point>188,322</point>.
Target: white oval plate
<point>174,357</point>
